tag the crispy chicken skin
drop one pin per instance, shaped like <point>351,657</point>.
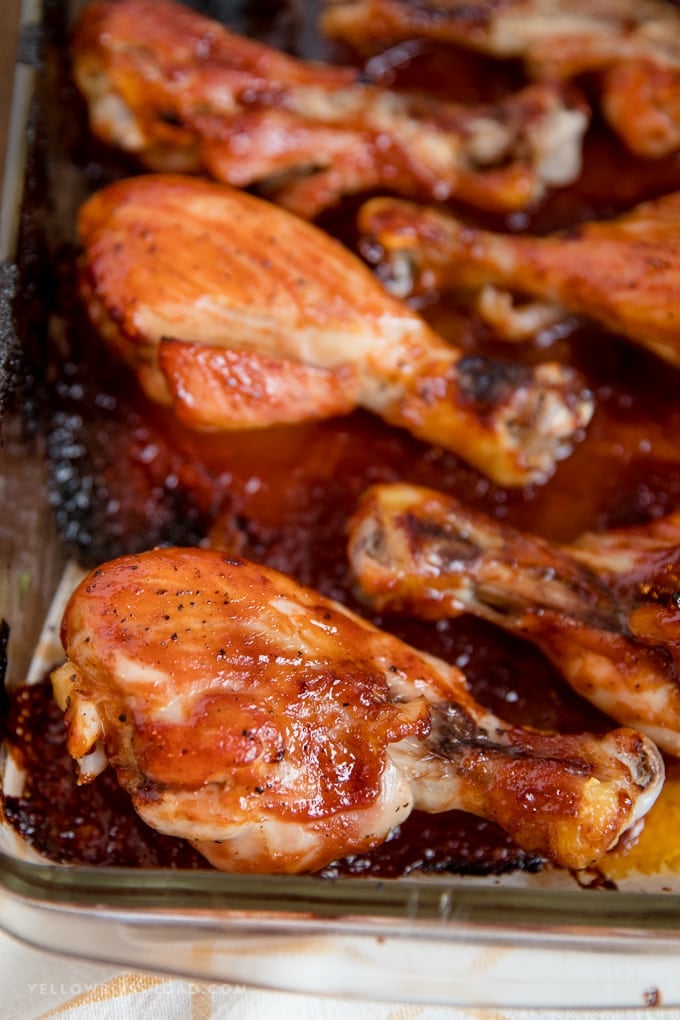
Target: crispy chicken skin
<point>623,273</point>
<point>277,731</point>
<point>634,45</point>
<point>185,94</point>
<point>604,609</point>
<point>240,314</point>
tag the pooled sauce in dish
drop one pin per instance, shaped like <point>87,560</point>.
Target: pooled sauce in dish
<point>126,476</point>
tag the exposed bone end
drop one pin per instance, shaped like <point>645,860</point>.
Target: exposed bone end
<point>413,248</point>
<point>606,783</point>
<point>63,683</point>
<point>622,776</point>
<point>528,143</point>
<point>643,759</point>
<point>510,421</point>
<point>397,269</point>
<point>541,129</point>
<point>556,146</point>
<point>665,737</point>
<point>85,726</point>
<point>400,548</point>
<point>417,549</point>
<point>536,415</point>
<point>549,417</point>
<point>513,322</point>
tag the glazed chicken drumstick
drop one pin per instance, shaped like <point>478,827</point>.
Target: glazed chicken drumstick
<point>185,94</point>
<point>633,45</point>
<point>603,609</point>
<point>240,314</point>
<point>277,731</point>
<point>623,273</point>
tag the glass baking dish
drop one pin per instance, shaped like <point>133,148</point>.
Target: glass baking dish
<point>520,940</point>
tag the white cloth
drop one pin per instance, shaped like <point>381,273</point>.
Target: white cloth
<point>35,986</point>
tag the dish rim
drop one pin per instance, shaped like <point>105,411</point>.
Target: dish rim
<point>454,909</point>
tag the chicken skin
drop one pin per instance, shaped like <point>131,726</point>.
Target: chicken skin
<point>634,46</point>
<point>185,94</point>
<point>604,609</point>
<point>623,273</point>
<point>239,315</point>
<point>277,731</point>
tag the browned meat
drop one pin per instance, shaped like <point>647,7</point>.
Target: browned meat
<point>633,44</point>
<point>624,273</point>
<point>240,314</point>
<point>604,609</point>
<point>185,94</point>
<point>277,731</point>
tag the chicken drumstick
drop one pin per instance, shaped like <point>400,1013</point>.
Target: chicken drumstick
<point>633,45</point>
<point>623,273</point>
<point>604,609</point>
<point>240,314</point>
<point>277,731</point>
<point>185,94</point>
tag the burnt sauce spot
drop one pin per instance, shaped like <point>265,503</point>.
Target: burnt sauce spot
<point>453,731</point>
<point>450,547</point>
<point>487,383</point>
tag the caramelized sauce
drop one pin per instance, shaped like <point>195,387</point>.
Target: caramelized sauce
<point>74,824</point>
<point>126,475</point>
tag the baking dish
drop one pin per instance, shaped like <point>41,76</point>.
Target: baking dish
<point>519,940</point>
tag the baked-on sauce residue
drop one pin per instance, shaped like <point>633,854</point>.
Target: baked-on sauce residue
<point>126,476</point>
